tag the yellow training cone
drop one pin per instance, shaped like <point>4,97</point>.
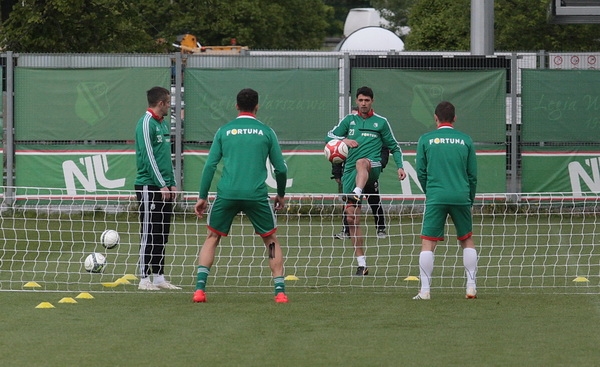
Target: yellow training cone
<point>291,277</point>
<point>67,300</point>
<point>31,285</point>
<point>581,279</point>
<point>122,281</point>
<point>45,305</point>
<point>129,277</point>
<point>412,277</point>
<point>84,295</point>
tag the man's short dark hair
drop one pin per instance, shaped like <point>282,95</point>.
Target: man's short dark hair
<point>247,99</point>
<point>445,111</point>
<point>365,91</point>
<point>157,94</point>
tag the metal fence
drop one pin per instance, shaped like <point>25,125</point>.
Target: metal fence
<point>344,62</point>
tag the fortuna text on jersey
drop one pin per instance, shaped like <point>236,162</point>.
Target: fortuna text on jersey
<point>446,141</point>
<point>244,132</point>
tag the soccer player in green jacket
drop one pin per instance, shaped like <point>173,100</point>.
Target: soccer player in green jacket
<point>154,187</point>
<point>447,171</point>
<point>364,133</point>
<point>245,145</point>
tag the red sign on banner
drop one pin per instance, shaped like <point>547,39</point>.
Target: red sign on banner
<point>579,61</point>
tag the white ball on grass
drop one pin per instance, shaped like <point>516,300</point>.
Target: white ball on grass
<point>94,263</point>
<point>109,238</point>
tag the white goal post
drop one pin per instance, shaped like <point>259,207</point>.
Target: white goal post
<point>535,242</point>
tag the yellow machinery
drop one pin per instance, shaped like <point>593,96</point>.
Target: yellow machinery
<point>188,44</point>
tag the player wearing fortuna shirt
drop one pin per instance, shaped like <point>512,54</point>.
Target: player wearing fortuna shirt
<point>447,170</point>
<point>364,133</point>
<point>244,145</point>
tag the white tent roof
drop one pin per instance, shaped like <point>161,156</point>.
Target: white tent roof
<point>358,18</point>
<point>372,39</point>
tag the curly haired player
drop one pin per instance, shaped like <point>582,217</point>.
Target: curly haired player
<point>364,133</point>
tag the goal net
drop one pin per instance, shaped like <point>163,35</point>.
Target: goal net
<point>535,242</point>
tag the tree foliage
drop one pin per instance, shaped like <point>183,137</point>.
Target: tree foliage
<point>114,26</point>
<point>439,25</point>
<point>519,25</point>
<point>394,11</point>
<point>151,26</point>
<point>341,9</point>
<point>258,24</point>
<point>75,26</point>
<point>523,25</point>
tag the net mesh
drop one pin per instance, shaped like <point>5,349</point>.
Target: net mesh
<point>538,242</point>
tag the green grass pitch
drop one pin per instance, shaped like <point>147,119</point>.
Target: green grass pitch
<point>354,328</point>
<point>529,311</point>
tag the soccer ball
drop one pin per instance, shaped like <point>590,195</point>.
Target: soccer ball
<point>336,151</point>
<point>94,263</point>
<point>109,238</point>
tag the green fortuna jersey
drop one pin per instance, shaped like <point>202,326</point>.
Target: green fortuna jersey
<point>447,166</point>
<point>245,146</point>
<point>371,134</point>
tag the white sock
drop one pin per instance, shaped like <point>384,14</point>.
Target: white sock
<point>358,191</point>
<point>426,266</point>
<point>470,263</point>
<point>362,261</point>
<point>159,279</point>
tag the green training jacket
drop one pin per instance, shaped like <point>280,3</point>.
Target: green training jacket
<point>371,134</point>
<point>153,152</point>
<point>447,166</point>
<point>244,145</point>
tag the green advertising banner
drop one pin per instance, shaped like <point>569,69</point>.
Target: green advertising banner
<point>565,171</point>
<point>310,172</point>
<point>2,158</point>
<point>2,100</point>
<point>2,129</point>
<point>78,169</point>
<point>82,104</point>
<point>299,104</point>
<point>408,99</point>
<point>560,105</point>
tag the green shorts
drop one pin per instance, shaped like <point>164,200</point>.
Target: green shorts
<point>259,212</point>
<point>349,179</point>
<point>434,221</point>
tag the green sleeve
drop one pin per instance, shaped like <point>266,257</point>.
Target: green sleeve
<point>472,172</point>
<point>390,142</point>
<point>397,155</point>
<point>208,173</point>
<point>276,158</point>
<point>339,131</point>
<point>421,165</point>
